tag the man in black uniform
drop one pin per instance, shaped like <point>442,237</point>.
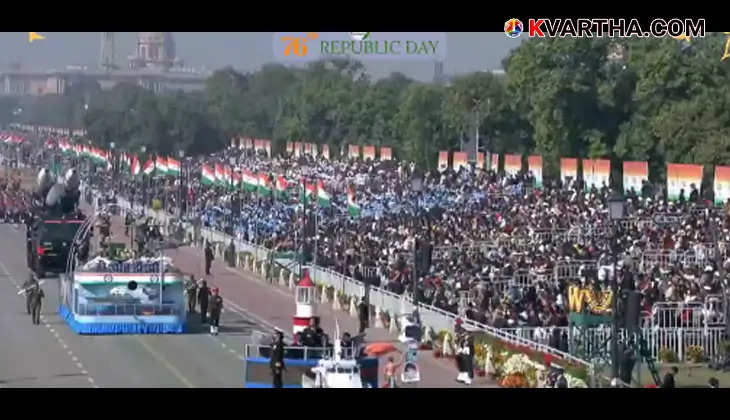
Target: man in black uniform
<point>216,306</point>
<point>192,288</point>
<point>203,296</point>
<point>276,363</point>
<point>363,310</point>
<point>35,304</point>
<point>209,257</point>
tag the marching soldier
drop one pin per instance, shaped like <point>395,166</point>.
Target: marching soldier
<point>192,288</point>
<point>216,306</point>
<point>203,297</point>
<point>276,363</point>
<point>363,310</point>
<point>29,287</point>
<point>35,304</point>
<point>465,358</point>
<point>209,257</point>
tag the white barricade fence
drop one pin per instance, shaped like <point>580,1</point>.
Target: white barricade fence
<point>676,340</point>
<point>678,315</point>
<point>571,270</point>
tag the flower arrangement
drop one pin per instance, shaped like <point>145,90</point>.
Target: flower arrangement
<point>505,359</point>
<point>667,356</point>
<point>385,318</point>
<point>516,380</point>
<point>344,301</point>
<point>695,354</point>
<point>516,364</point>
<point>330,293</point>
<point>574,382</point>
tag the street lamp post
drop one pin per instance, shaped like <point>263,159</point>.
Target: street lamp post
<point>616,209</point>
<point>143,149</point>
<point>181,153</point>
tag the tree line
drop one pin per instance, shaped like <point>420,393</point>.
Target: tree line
<point>660,100</point>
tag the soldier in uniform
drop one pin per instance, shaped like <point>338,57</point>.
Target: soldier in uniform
<point>363,310</point>
<point>29,287</point>
<point>35,304</point>
<point>276,363</point>
<point>208,258</point>
<point>203,298</point>
<point>465,358</point>
<point>192,289</point>
<point>216,306</point>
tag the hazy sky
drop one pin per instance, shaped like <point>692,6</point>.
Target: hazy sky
<point>246,51</point>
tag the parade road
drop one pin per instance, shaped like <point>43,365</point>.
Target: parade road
<point>51,355</point>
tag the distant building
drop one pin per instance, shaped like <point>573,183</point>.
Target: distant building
<point>439,76</point>
<point>153,66</point>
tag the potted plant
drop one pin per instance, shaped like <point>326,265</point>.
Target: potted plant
<point>330,293</point>
<point>695,354</point>
<point>667,356</point>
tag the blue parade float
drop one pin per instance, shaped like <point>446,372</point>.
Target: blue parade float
<point>121,295</point>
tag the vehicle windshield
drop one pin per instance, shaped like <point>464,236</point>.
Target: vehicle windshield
<point>54,231</point>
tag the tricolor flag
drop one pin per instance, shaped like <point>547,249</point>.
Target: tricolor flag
<point>722,184</point>
<point>149,167</point>
<point>281,187</point>
<point>49,144</point>
<point>220,174</point>
<point>249,180</point>
<point>308,193</point>
<point>534,165</point>
<point>207,175</point>
<point>352,205</point>
<point>323,197</point>
<point>173,167</point>
<point>236,179</point>
<point>161,166</point>
<point>326,151</point>
<point>134,167</point>
<point>264,184</point>
<point>228,176</point>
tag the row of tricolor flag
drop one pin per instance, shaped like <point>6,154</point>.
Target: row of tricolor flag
<point>221,175</point>
<point>9,138</point>
<point>245,143</point>
<point>298,149</point>
<point>598,172</point>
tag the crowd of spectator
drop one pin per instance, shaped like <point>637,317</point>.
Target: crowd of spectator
<point>496,238</point>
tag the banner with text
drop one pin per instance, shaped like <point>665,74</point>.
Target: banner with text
<point>386,153</point>
<point>368,152</point>
<point>722,184</point>
<point>460,160</point>
<point>680,177</point>
<point>534,165</point>
<point>443,160</point>
<point>568,168</point>
<point>512,164</point>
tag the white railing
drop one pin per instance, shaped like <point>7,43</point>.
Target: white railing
<point>677,340</point>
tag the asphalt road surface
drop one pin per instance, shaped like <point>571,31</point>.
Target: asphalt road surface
<point>51,355</point>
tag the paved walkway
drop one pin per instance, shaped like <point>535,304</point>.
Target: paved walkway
<point>273,305</point>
